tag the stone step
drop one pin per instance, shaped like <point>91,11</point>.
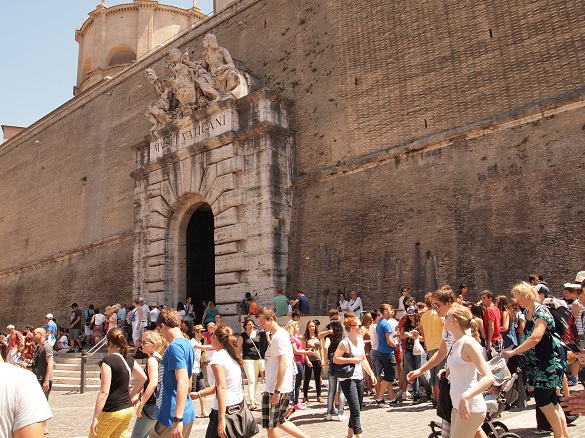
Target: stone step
<point>75,373</point>
<point>94,380</point>
<point>74,387</point>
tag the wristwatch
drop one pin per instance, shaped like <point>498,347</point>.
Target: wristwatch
<point>277,391</point>
<point>177,419</point>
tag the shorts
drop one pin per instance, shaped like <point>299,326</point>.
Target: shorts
<point>388,365</point>
<point>544,397</point>
<point>74,334</point>
<point>272,416</point>
<point>434,380</point>
<point>378,367</point>
<point>198,382</point>
<point>50,387</point>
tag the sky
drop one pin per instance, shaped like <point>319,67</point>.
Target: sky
<point>38,54</point>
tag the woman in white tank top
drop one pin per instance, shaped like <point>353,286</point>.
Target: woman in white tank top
<point>465,360</point>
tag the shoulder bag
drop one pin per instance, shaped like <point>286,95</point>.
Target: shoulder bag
<point>444,403</point>
<point>343,371</point>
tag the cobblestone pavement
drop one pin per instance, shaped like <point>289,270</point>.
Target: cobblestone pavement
<point>73,412</point>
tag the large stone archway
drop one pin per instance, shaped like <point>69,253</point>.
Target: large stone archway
<point>236,157</point>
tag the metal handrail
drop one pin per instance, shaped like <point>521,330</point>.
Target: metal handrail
<point>84,355</point>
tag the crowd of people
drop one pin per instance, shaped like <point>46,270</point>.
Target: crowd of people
<point>394,359</point>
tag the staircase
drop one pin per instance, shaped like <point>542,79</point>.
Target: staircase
<point>67,371</point>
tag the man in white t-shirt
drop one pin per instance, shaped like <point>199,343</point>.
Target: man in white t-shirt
<point>355,304</point>
<point>24,406</point>
<point>279,377</point>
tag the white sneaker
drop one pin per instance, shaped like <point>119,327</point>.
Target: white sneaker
<point>328,417</point>
<point>341,417</point>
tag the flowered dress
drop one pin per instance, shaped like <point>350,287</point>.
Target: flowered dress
<point>546,362</point>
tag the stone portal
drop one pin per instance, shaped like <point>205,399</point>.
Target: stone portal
<point>232,159</point>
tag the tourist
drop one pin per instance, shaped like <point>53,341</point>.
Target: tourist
<point>113,407</point>
<point>209,314</point>
<point>410,332</point>
<point>386,348</point>
<point>225,381</point>
<point>244,306</point>
<point>545,361</point>
<point>355,305</point>
<point>74,328</point>
<point>491,325</point>
<point>432,328</point>
<point>332,336</point>
<point>464,362</point>
<point>292,329</point>
<point>279,377</point>
<point>342,304</point>
<point>201,361</point>
<point>24,406</point>
<point>175,414</point>
<point>153,345</point>
<point>303,302</point>
<point>189,313</point>
<point>248,345</point>
<point>280,303</point>
<point>43,364</point>
<point>51,329</point>
<point>15,343</point>
<point>353,387</point>
<point>97,325</point>
<point>313,363</point>
<point>404,292</point>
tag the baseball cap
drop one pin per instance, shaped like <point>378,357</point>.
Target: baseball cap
<point>49,315</point>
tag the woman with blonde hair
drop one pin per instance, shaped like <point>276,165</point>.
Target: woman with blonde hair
<point>464,362</point>
<point>353,387</point>
<point>543,353</point>
<point>153,345</point>
<point>225,381</point>
<point>113,407</point>
<point>209,314</point>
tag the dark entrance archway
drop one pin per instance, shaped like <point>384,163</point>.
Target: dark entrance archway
<point>200,259</point>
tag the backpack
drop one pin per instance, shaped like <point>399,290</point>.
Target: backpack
<point>565,325</point>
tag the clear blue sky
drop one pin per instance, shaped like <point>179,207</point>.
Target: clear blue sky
<point>38,54</point>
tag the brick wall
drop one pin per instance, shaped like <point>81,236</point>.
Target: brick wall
<point>365,77</point>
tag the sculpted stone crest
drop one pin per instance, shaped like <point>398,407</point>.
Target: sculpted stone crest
<point>194,84</point>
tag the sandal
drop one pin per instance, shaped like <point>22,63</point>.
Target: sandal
<point>253,407</point>
<point>320,400</point>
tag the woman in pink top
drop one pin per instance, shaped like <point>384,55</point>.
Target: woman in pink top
<point>293,331</point>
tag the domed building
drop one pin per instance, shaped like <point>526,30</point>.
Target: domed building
<point>112,38</point>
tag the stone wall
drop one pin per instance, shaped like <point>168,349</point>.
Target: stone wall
<point>379,199</point>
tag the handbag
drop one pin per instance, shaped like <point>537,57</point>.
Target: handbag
<point>444,403</point>
<point>204,359</point>
<point>239,422</point>
<point>343,371</point>
<point>417,348</point>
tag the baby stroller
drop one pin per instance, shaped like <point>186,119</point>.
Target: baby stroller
<point>496,402</point>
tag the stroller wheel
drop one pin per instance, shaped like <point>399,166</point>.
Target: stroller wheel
<point>494,429</point>
<point>509,435</point>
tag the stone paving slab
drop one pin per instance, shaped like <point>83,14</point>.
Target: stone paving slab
<point>73,412</point>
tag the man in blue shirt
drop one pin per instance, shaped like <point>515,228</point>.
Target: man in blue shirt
<point>303,302</point>
<point>386,346</point>
<point>174,410</point>
<point>51,329</point>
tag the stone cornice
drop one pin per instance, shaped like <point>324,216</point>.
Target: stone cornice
<point>108,241</point>
<point>510,119</point>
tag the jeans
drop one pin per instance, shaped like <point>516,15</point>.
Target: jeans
<point>353,389</point>
<point>252,368</point>
<point>298,380</point>
<point>144,425</point>
<point>316,368</point>
<point>413,362</point>
<point>331,390</point>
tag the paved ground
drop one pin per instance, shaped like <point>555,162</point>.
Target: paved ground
<point>73,411</point>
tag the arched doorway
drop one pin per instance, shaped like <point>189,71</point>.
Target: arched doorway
<point>200,258</point>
